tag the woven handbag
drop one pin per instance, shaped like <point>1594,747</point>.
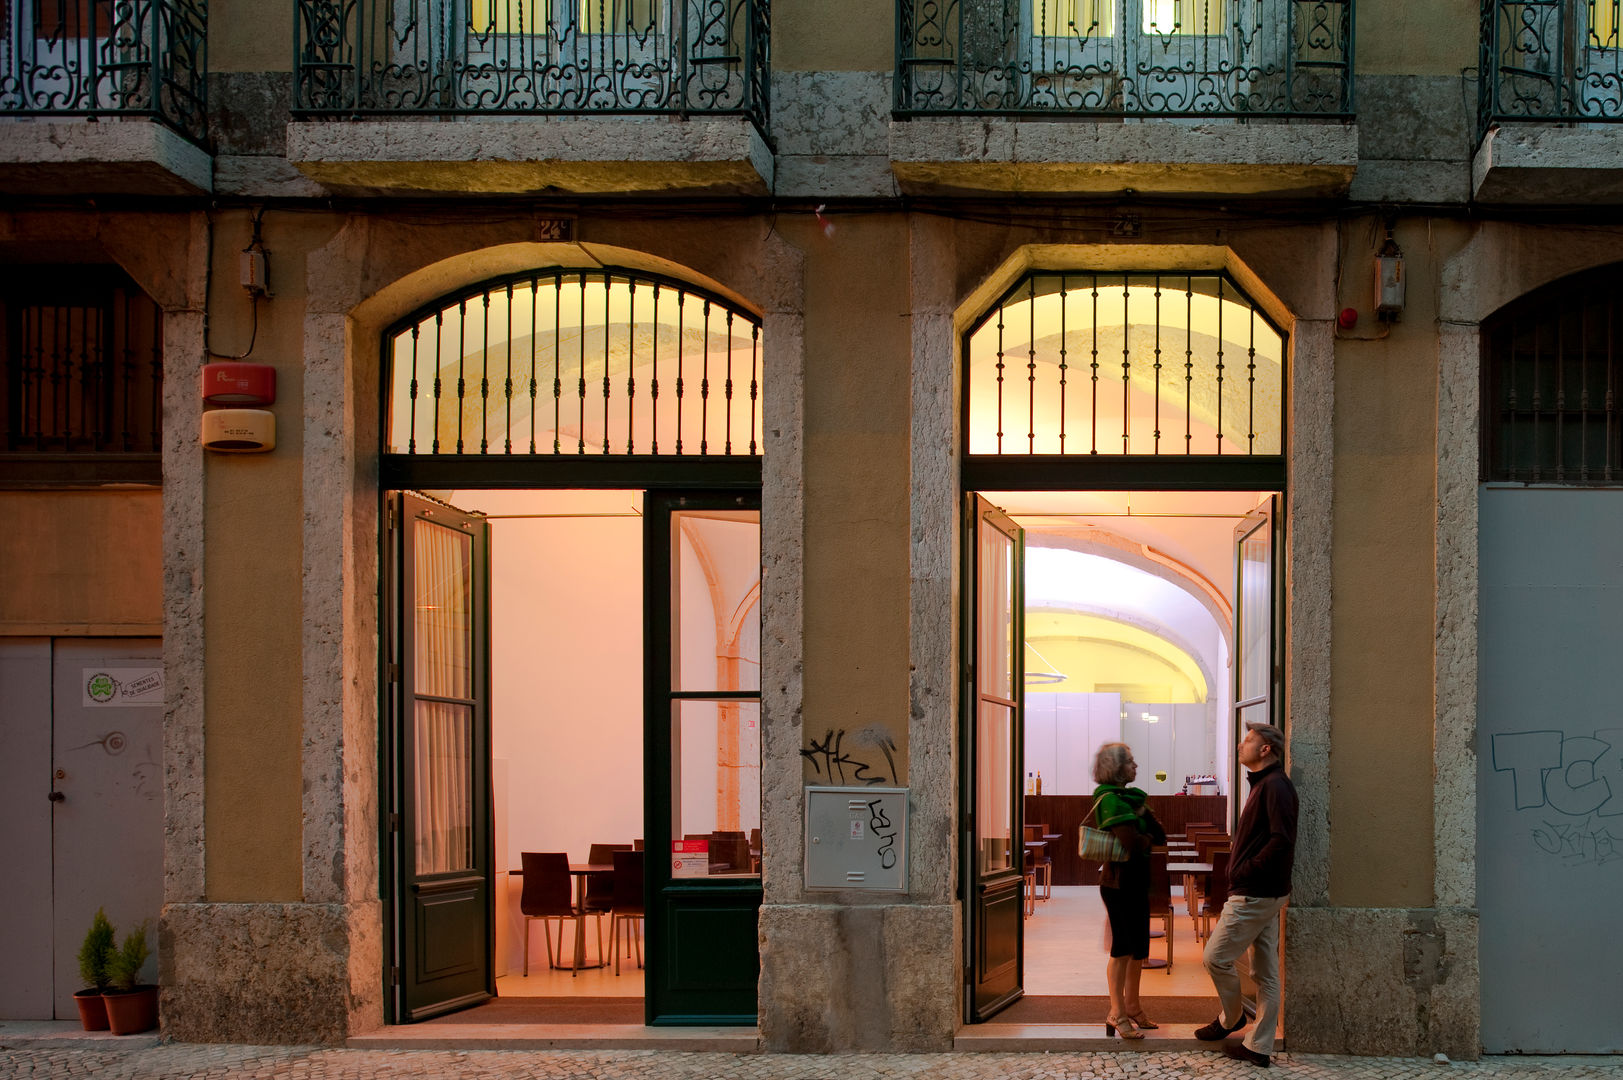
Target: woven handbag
<point>1099,845</point>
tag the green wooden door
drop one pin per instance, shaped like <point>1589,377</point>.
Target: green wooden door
<point>702,745</point>
<point>438,839</point>
<point>992,703</point>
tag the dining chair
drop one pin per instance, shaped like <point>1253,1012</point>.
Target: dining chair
<point>729,853</point>
<point>1045,864</point>
<point>1161,898</point>
<point>599,897</point>
<point>1217,891</point>
<point>1029,874</point>
<point>627,907</point>
<point>546,895</point>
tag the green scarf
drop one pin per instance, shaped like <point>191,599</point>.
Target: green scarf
<point>1119,805</point>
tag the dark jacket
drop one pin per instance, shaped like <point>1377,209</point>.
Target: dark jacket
<point>1265,841</point>
<point>1124,812</point>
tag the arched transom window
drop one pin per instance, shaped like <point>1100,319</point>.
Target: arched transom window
<point>1125,364</point>
<point>576,362</point>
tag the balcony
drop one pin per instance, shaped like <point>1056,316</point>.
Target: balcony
<point>440,96</point>
<point>1551,103</point>
<point>98,96</point>
<point>1239,97</point>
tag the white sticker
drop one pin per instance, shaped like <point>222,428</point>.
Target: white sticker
<point>856,829</point>
<point>129,687</point>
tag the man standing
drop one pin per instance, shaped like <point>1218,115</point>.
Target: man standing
<point>1259,886</point>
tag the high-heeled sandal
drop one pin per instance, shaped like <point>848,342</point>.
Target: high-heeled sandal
<point>1125,1024</point>
<point>1143,1022</point>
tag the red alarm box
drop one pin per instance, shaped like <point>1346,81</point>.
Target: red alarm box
<point>234,382</point>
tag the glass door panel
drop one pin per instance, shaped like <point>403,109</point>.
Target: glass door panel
<point>992,868</point>
<point>1258,589</point>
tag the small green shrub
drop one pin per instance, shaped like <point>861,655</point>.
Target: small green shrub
<point>96,954</point>
<point>130,958</point>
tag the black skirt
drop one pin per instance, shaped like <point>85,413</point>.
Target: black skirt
<point>1129,911</point>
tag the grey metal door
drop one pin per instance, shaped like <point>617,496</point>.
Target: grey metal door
<point>1550,769</point>
<point>81,760</point>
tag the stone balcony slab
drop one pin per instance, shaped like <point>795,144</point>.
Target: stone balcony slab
<point>80,156</point>
<point>1535,164</point>
<point>579,155</point>
<point>962,155</point>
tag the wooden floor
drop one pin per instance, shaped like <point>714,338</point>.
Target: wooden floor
<point>1064,955</point>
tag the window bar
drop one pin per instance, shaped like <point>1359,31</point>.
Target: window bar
<point>1031,367</point>
<point>507,387</point>
<point>28,395</point>
<point>127,370</point>
<point>86,379</point>
<point>1188,364</point>
<point>1538,404</point>
<point>1583,389</point>
<point>461,367</point>
<point>1063,303</point>
<point>1219,365</point>
<point>61,357</point>
<point>484,379</point>
<point>653,379</point>
<point>1251,387</point>
<point>1126,367</point>
<point>727,391</point>
<point>439,340</point>
<point>704,386</point>
<point>1093,434</point>
<point>535,302</point>
<point>157,377</point>
<point>1561,367</point>
<point>580,373</point>
<point>1609,473</point>
<point>1157,436</point>
<point>411,426</point>
<point>608,297</point>
<point>755,346</point>
<point>557,361</point>
<point>631,365</point>
<point>1507,415</point>
<point>681,350</point>
<point>1000,378</point>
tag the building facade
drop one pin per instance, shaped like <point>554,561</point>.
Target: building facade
<point>857,190</point>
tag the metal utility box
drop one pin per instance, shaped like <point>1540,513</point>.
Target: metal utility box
<point>856,838</point>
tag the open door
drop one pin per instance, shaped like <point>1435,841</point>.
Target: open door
<point>702,747</point>
<point>992,852</point>
<point>1258,621</point>
<point>438,824</point>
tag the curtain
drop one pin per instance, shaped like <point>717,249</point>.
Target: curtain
<point>443,667</point>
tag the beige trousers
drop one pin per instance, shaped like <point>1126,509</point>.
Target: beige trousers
<point>1248,922</point>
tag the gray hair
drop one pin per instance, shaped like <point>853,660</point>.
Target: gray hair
<point>1273,737</point>
<point>1111,762</point>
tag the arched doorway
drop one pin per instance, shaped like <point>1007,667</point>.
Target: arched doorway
<point>545,431</point>
<point>1549,746</point>
<point>1137,404</point>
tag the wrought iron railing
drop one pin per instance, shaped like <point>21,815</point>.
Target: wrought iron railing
<point>81,366</point>
<point>1550,60</point>
<point>1206,58</point>
<point>107,58</point>
<point>605,362</point>
<point>441,57</point>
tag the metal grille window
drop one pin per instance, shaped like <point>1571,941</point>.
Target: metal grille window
<point>1210,58</point>
<point>1550,60</point>
<point>1551,380</point>
<point>82,363</point>
<point>394,57</point>
<point>100,58</point>
<point>577,362</point>
<point>1126,364</point>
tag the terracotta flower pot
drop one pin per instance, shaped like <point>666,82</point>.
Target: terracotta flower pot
<point>132,1011</point>
<point>92,1010</point>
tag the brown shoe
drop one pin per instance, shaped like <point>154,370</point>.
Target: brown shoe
<point>1215,1030</point>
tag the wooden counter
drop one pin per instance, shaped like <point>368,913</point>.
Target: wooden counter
<point>1063,814</point>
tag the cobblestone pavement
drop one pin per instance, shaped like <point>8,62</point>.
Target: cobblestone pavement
<point>176,1061</point>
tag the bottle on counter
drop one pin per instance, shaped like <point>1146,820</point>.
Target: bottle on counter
<point>1039,782</point>
<point>1031,785</point>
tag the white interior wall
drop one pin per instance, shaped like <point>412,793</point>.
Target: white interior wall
<point>566,667</point>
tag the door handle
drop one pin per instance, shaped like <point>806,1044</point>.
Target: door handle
<point>57,796</point>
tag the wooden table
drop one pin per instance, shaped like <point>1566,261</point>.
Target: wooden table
<point>580,872</point>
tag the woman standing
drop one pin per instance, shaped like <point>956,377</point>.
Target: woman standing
<point>1125,886</point>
